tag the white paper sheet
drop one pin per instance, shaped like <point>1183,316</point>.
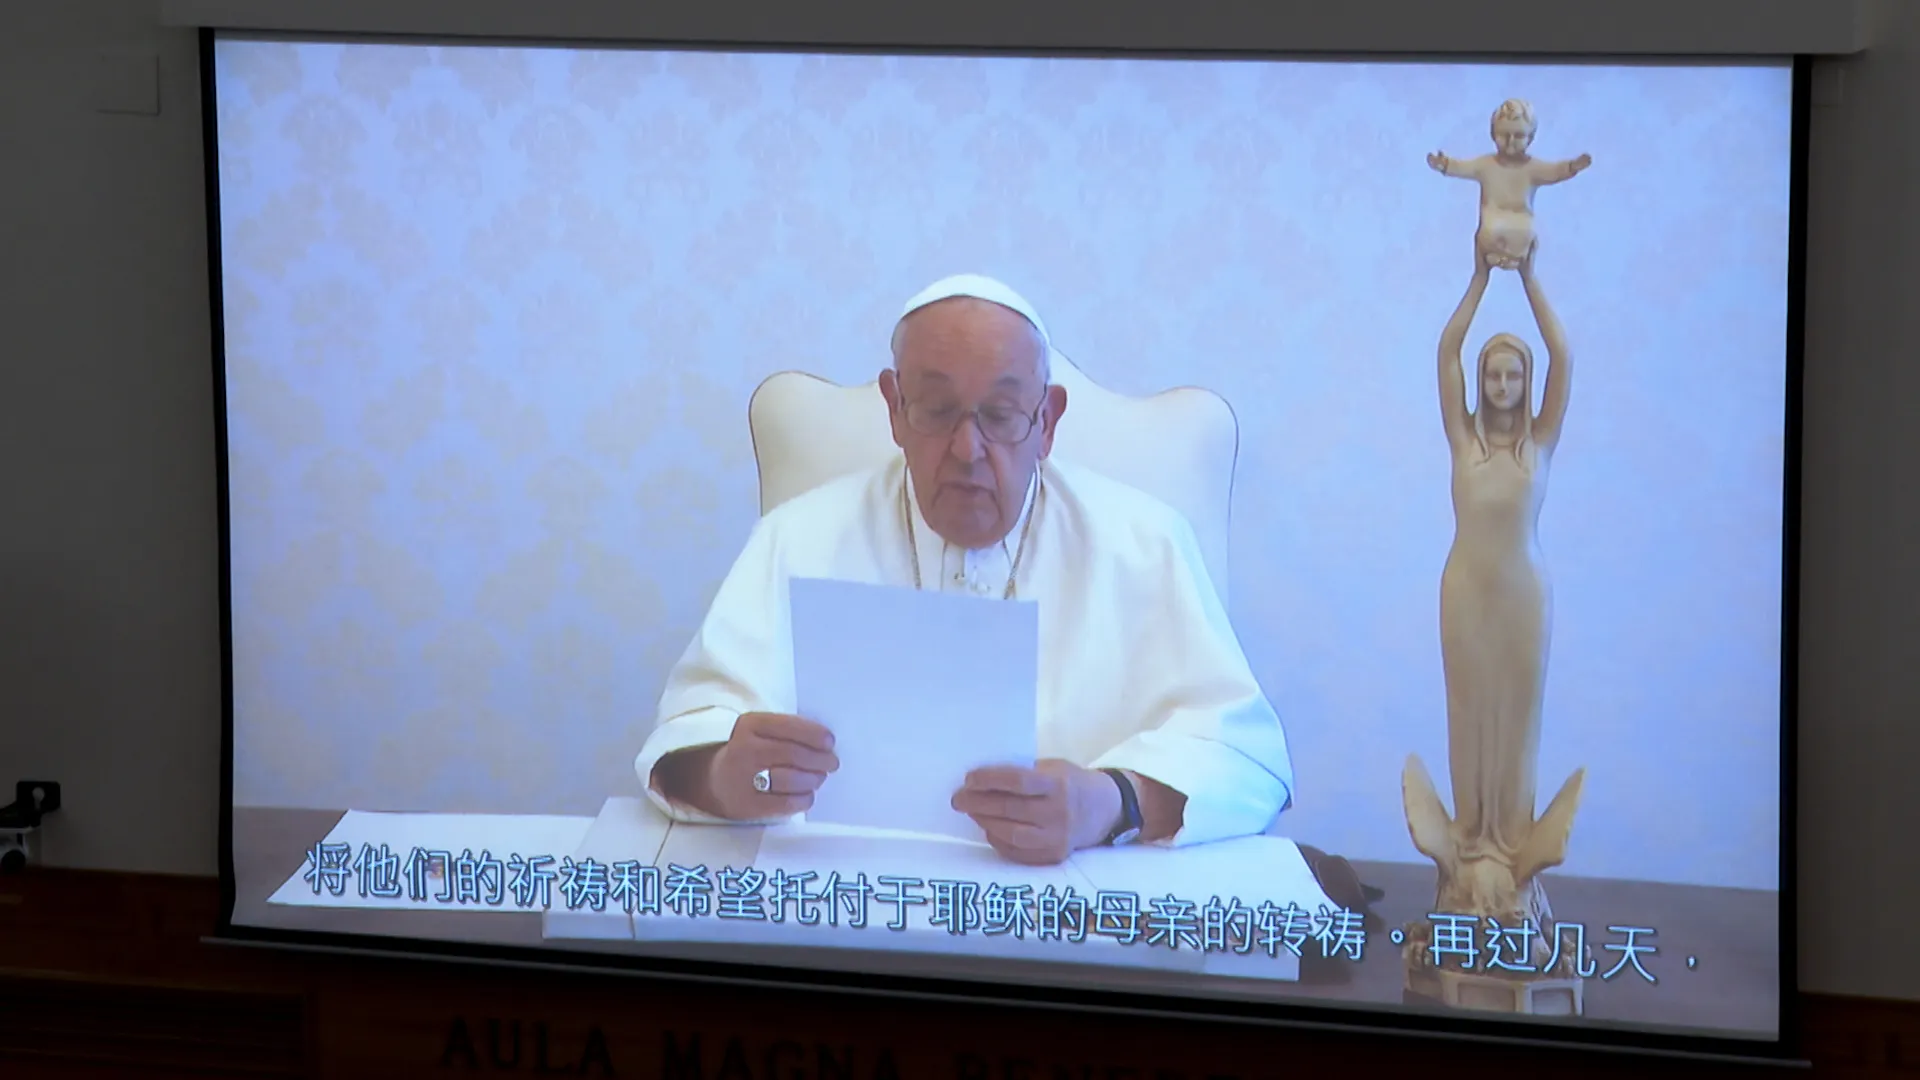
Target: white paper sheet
<point>1176,883</point>
<point>889,853</point>
<point>922,892</point>
<point>918,688</point>
<point>1251,869</point>
<point>796,863</point>
<point>501,835</point>
<point>629,829</point>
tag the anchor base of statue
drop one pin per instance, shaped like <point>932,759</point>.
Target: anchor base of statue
<point>1490,993</point>
<point>1521,993</point>
<point>1483,889</point>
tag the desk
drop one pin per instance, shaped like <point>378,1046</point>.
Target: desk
<point>1732,932</point>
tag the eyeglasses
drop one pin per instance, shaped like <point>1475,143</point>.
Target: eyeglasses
<point>998,423</point>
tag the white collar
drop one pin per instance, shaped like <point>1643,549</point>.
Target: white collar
<point>927,540</point>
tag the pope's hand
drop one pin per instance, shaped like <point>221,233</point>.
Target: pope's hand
<point>795,753</point>
<point>1043,814</point>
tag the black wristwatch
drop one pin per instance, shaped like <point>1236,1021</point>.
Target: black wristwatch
<point>1130,821</point>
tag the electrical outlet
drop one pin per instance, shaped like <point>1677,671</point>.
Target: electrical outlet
<point>42,795</point>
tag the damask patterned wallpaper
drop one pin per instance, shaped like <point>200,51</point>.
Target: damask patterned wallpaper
<point>493,317</point>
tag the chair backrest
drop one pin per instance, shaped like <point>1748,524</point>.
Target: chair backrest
<point>1178,445</point>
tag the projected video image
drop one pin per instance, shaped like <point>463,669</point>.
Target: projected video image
<point>1292,531</point>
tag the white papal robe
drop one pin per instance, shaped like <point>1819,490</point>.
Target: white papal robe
<point>1139,668</point>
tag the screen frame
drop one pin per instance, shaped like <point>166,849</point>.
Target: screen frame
<point>1783,1049</point>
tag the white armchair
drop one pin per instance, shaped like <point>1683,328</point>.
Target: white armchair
<point>1178,445</point>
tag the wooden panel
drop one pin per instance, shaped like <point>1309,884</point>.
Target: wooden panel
<point>105,975</point>
<point>52,1020</point>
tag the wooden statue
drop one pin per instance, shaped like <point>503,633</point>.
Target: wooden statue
<point>1496,605</point>
<point>1508,178</point>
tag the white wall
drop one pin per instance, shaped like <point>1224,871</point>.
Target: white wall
<point>109,661</point>
<point>109,564</point>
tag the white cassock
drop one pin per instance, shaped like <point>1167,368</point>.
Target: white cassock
<point>1139,668</point>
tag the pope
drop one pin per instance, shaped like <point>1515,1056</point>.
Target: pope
<point>1152,728</point>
